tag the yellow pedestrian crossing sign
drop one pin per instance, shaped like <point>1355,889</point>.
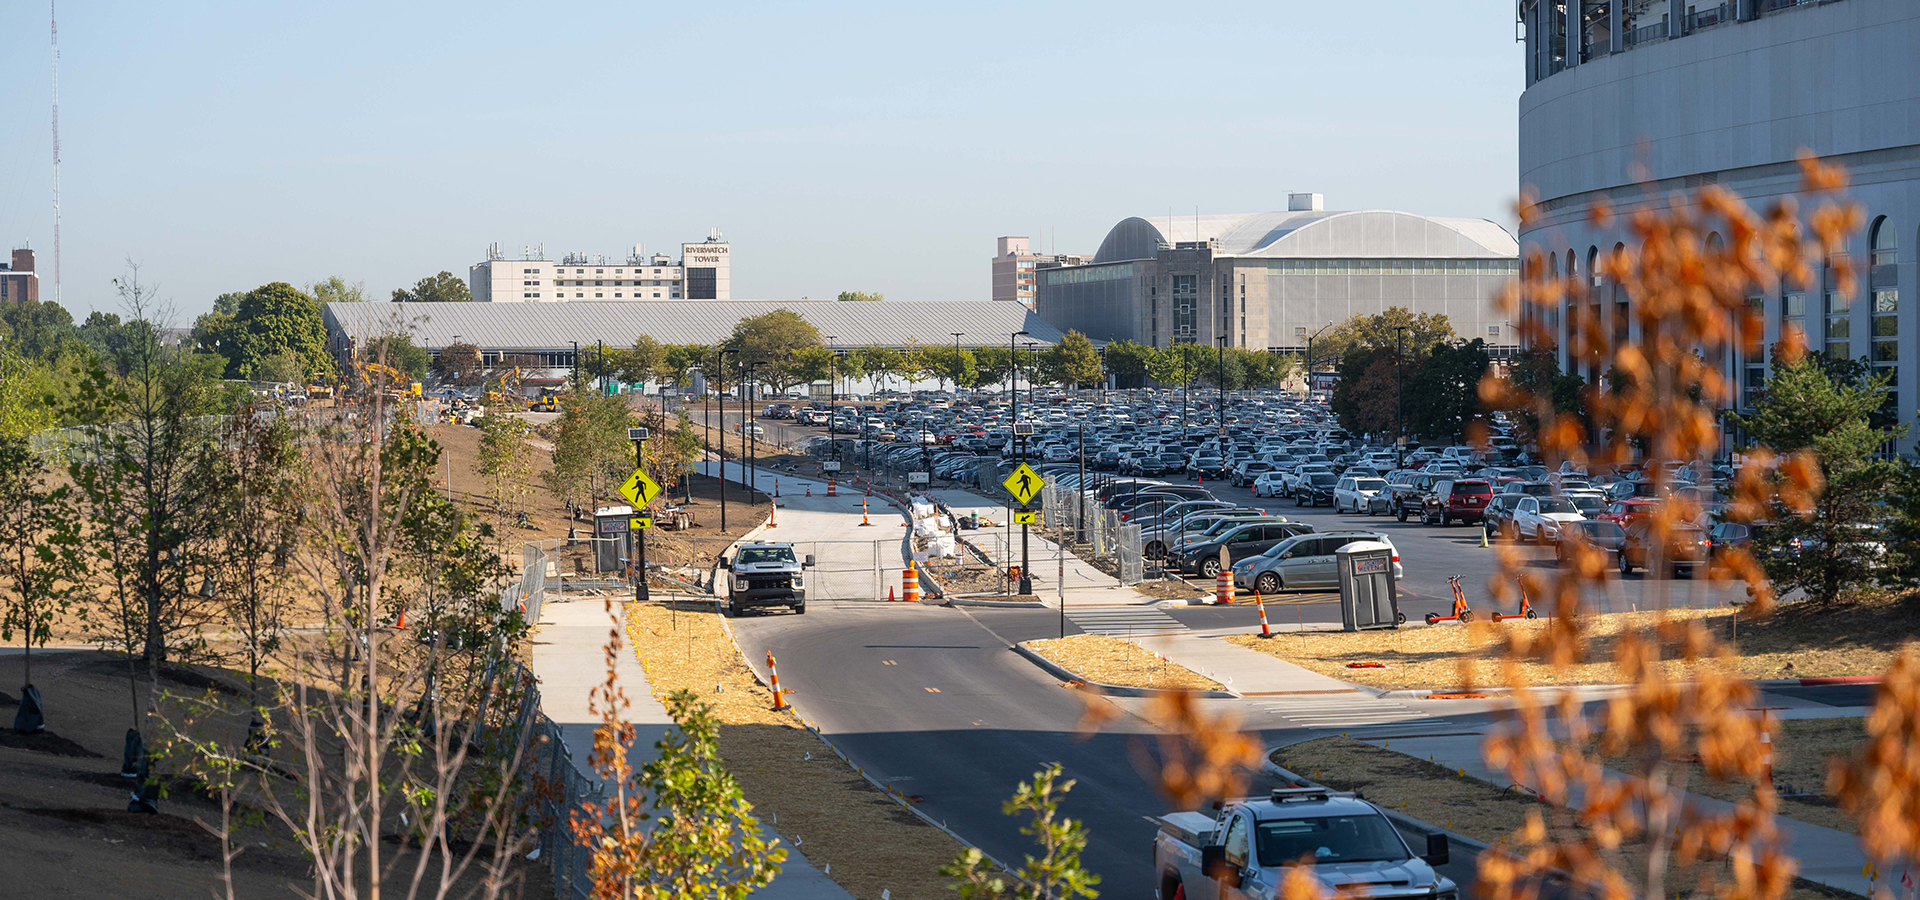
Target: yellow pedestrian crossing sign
<point>1024,484</point>
<point>639,489</point>
<point>1025,518</point>
<point>640,523</point>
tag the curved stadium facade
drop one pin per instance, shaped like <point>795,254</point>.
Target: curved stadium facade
<point>1634,99</point>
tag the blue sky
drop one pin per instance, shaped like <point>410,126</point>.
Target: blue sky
<point>224,145</point>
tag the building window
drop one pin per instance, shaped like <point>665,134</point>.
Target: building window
<point>1493,331</point>
<point>1755,379</point>
<point>616,295</point>
<point>1793,316</point>
<point>1839,325</point>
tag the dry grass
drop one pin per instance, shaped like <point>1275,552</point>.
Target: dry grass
<point>1110,660</point>
<point>1856,636</point>
<point>871,842</point>
<point>1441,796</point>
<point>1802,751</point>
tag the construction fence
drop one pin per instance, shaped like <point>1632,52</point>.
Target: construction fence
<point>1098,536</point>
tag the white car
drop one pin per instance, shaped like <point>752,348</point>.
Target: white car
<point>1270,484</point>
<point>1540,518</point>
<point>1356,494</point>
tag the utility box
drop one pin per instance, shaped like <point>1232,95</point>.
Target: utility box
<point>612,538</point>
<point>1368,598</point>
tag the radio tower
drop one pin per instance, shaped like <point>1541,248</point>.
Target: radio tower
<point>53,17</point>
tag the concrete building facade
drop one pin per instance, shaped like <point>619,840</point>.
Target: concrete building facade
<point>1015,266</point>
<point>1270,281</point>
<point>19,282</point>
<point>1632,100</point>
<point>702,272</point>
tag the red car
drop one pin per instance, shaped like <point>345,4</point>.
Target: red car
<point>1626,512</point>
<point>1462,500</point>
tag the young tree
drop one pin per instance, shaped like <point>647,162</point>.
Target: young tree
<point>1803,410</point>
<point>1179,365</point>
<point>591,453</point>
<point>1056,874</point>
<point>1073,361</point>
<point>882,363</point>
<point>506,461</point>
<point>442,288</point>
<point>257,515</point>
<point>25,406</point>
<point>679,361</point>
<point>40,561</point>
<point>995,363</point>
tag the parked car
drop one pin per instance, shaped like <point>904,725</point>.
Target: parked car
<point>1240,542</point>
<point>1461,499</point>
<point>1541,518</point>
<point>1686,547</point>
<point>1627,512</point>
<point>1356,493</point>
<point>1498,520</point>
<point>1599,534</point>
<point>1315,489</point>
<point>1408,496</point>
<point>1304,562</point>
<point>1270,484</point>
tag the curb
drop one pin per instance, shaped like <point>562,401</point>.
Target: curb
<point>1111,690</point>
<point>997,604</point>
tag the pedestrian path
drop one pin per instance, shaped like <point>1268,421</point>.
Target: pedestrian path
<point>1342,711</point>
<point>1124,621</point>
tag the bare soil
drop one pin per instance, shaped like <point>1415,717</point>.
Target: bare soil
<point>63,804</point>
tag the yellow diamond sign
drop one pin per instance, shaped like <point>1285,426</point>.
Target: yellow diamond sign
<point>1024,484</point>
<point>639,489</point>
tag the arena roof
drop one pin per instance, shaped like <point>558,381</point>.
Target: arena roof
<point>555,326</point>
<point>1315,234</point>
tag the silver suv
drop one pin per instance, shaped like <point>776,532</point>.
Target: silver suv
<point>1304,562</point>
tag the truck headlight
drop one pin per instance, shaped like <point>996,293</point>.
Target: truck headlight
<point>799,581</point>
<point>739,583</point>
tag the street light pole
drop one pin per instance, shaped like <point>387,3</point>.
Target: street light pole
<point>1220,415</point>
<point>720,370</point>
<point>833,397</point>
<point>641,590</point>
<point>1399,393</point>
<point>956,362</point>
<point>576,365</point>
<point>746,426</point>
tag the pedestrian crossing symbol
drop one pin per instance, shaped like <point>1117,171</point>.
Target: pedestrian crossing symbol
<point>1025,518</point>
<point>639,489</point>
<point>1024,484</point>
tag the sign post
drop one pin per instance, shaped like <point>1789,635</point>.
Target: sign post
<point>640,491</point>
<point>1024,485</point>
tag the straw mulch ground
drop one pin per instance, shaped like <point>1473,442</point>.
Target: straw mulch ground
<point>823,807</point>
<point>1444,797</point>
<point>1803,750</point>
<point>1856,636</point>
<point>1110,660</point>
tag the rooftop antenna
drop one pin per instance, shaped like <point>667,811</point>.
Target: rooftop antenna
<point>53,19</point>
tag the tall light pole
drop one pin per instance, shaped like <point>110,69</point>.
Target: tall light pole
<point>576,365</point>
<point>1033,358</point>
<point>1013,374</point>
<point>1399,392</point>
<point>1220,382</point>
<point>956,362</point>
<point>1309,378</point>
<point>751,442</point>
<point>833,396</point>
<point>720,369</point>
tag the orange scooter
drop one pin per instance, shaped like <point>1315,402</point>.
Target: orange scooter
<point>1526,610</point>
<point>1462,613</point>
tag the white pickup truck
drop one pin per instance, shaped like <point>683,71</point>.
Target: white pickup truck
<point>1250,845</point>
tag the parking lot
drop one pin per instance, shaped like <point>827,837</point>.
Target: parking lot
<point>1292,449</point>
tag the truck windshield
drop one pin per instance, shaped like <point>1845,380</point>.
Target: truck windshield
<point>1328,839</point>
<point>766,554</point>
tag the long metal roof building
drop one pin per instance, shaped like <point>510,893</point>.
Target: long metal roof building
<point>546,328</point>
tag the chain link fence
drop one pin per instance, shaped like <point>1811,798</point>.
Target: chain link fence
<point>1099,537</point>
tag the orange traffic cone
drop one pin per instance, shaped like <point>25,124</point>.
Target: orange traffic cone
<point>400,624</point>
<point>773,674</point>
<point>1265,631</point>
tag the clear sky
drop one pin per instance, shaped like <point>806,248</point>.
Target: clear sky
<point>882,147</point>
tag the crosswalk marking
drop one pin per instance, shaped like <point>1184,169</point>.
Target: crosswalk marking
<point>1124,621</point>
<point>1344,712</point>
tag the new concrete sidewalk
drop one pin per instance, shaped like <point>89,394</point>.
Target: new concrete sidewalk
<point>1246,672</point>
<point>569,659</point>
